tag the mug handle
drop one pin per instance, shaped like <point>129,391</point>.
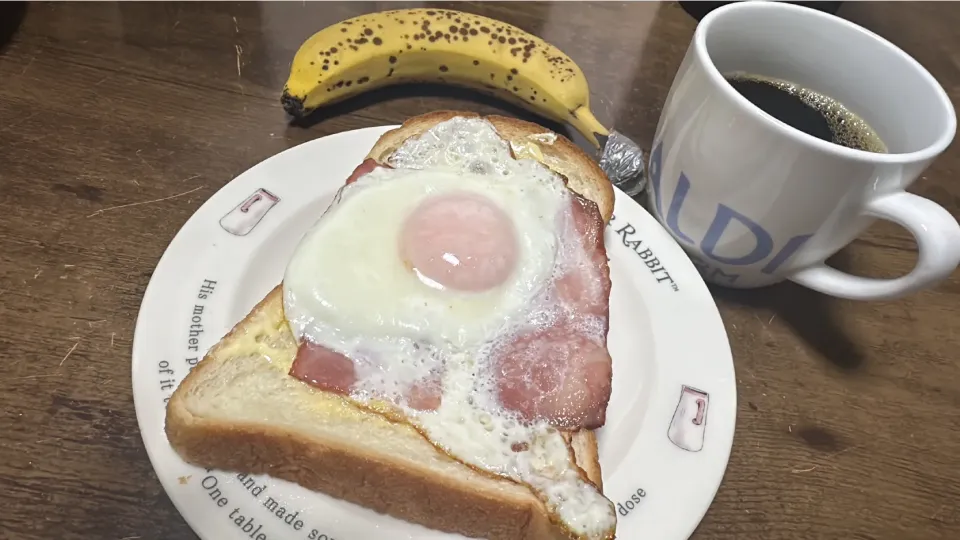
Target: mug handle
<point>938,241</point>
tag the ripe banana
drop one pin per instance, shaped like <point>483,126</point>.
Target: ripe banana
<point>420,45</point>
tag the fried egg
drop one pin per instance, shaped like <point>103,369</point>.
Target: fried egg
<point>382,262</point>
<point>418,272</point>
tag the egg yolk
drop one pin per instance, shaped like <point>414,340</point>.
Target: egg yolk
<point>461,241</point>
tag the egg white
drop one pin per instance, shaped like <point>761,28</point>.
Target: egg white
<point>347,288</point>
<point>347,274</point>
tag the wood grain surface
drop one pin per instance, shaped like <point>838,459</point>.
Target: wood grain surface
<point>118,120</point>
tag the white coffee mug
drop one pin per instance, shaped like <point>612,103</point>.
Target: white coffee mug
<point>755,201</point>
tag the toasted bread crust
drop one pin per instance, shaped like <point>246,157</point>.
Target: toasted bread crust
<point>360,475</point>
<point>583,174</point>
<point>479,507</point>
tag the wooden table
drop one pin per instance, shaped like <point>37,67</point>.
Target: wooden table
<point>118,120</point>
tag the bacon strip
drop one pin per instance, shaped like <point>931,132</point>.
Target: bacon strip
<point>367,166</point>
<point>586,288</point>
<point>563,373</point>
<point>327,370</point>
<point>425,395</point>
<point>331,371</point>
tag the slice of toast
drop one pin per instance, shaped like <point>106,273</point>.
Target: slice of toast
<point>239,410</point>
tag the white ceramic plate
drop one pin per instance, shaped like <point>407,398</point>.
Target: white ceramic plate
<point>670,420</point>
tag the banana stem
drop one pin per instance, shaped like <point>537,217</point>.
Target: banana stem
<point>583,120</point>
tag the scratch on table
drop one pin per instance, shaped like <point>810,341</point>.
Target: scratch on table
<point>75,345</point>
<point>39,271</point>
<point>145,162</point>
<point>764,327</point>
<point>796,470</point>
<point>17,123</point>
<point>24,70</point>
<point>128,205</point>
<point>239,53</point>
<point>33,377</point>
<point>112,335</point>
<point>236,26</point>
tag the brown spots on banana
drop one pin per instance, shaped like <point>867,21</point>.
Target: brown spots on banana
<point>448,26</point>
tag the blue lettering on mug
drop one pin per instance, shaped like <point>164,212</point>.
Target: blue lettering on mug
<point>789,249</point>
<point>673,215</point>
<point>723,217</point>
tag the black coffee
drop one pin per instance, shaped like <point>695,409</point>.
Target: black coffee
<point>808,111</point>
